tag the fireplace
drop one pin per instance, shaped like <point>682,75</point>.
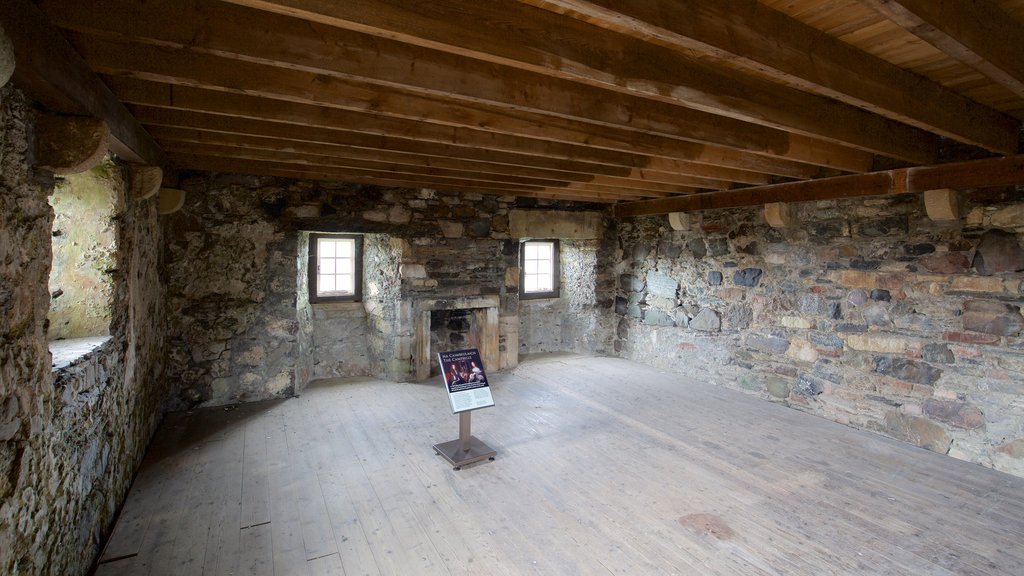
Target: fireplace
<point>481,315</point>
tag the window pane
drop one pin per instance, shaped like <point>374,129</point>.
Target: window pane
<point>532,251</point>
<point>345,248</point>
<point>327,265</point>
<point>531,267</point>
<point>345,283</point>
<point>325,283</point>
<point>544,251</point>
<point>530,283</point>
<point>345,266</point>
<point>325,248</point>
<point>543,282</point>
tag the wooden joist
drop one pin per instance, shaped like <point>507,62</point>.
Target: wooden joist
<point>759,40</point>
<point>979,34</point>
<point>50,70</point>
<point>991,172</point>
<point>514,104</point>
<point>534,50</point>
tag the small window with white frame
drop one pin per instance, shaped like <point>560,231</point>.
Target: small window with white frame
<point>539,269</point>
<point>335,267</point>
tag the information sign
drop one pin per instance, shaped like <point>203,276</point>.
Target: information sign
<point>466,381</point>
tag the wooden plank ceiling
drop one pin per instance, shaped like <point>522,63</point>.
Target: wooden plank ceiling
<point>601,100</point>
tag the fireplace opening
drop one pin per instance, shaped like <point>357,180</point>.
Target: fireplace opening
<point>451,330</point>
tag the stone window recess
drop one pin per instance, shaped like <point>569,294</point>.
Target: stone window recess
<point>84,245</point>
<point>335,267</point>
<point>539,269</point>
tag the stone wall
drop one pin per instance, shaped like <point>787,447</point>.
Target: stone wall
<point>236,250</point>
<point>865,312</point>
<point>69,441</point>
<point>575,321</point>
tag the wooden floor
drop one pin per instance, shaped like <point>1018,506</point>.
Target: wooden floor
<point>604,467</point>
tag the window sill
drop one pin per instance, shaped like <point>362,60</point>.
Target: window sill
<point>71,351</point>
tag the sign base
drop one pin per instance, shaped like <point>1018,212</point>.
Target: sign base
<point>456,452</point>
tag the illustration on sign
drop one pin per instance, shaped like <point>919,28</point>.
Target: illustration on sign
<point>464,376</point>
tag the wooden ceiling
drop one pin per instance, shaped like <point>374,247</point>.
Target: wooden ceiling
<point>599,100</point>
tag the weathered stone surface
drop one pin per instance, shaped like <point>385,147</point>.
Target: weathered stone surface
<point>662,286</point>
<point>795,322</point>
<point>825,229</point>
<point>766,343</point>
<point>998,252</point>
<point>916,430</point>
<point>990,317</point>
<point>919,249</point>
<point>697,247</point>
<point>655,317</point>
<point>977,284</point>
<point>556,224</point>
<point>620,305</point>
<point>1013,449</point>
<point>938,353</point>
<point>714,278</point>
<point>717,247</point>
<point>876,343</point>
<point>747,277</point>
<point>947,263</point>
<point>907,370</point>
<point>880,295</point>
<point>808,386</point>
<point>857,297</point>
<point>959,414</point>
<point>777,387</point>
<point>1008,217</point>
<point>862,264</point>
<point>883,226</point>
<point>707,320</point>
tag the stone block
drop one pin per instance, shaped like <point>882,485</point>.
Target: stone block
<point>859,263</point>
<point>802,351</point>
<point>955,413</point>
<point>655,317</point>
<point>375,216</point>
<point>808,386</point>
<point>556,224</point>
<point>707,320</point>
<point>1013,449</point>
<point>998,252</point>
<point>907,370</point>
<point>857,297</point>
<point>451,229</point>
<point>976,284</point>
<point>749,277</point>
<point>777,387</point>
<point>796,322</point>
<point>876,343</point>
<point>947,263</point>
<point>661,285</point>
<point>883,226</point>
<point>714,278</point>
<point>939,354</point>
<point>990,317</point>
<point>1009,217</point>
<point>766,343</point>
<point>880,295</point>
<point>698,248</point>
<point>970,338</point>
<point>917,430</point>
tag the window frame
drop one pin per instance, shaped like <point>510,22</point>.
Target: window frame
<point>357,265</point>
<point>556,270</point>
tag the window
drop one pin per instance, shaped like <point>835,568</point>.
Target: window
<point>335,267</point>
<point>539,270</point>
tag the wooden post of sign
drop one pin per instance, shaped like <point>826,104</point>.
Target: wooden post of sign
<point>467,449</point>
<point>468,390</point>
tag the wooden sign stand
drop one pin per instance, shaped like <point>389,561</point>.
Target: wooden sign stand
<point>467,449</point>
<point>468,390</point>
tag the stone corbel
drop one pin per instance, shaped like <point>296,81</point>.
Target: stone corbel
<point>70,144</point>
<point>6,58</point>
<point>679,220</point>
<point>778,214</point>
<point>170,200</point>
<point>941,205</point>
<point>146,181</point>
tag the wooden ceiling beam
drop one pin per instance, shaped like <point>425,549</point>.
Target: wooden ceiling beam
<point>566,114</point>
<point>675,89</point>
<point>702,161</point>
<point>171,135</point>
<point>979,34</point>
<point>52,72</point>
<point>255,168</point>
<point>1006,171</point>
<point>627,189</point>
<point>759,40</point>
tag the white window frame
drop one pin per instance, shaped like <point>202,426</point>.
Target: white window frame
<point>539,273</point>
<point>326,264</point>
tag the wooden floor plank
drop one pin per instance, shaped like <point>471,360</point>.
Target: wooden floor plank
<point>604,467</point>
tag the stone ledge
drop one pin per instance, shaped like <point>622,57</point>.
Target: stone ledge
<point>73,350</point>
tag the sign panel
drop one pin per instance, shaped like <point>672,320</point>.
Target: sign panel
<point>464,376</point>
